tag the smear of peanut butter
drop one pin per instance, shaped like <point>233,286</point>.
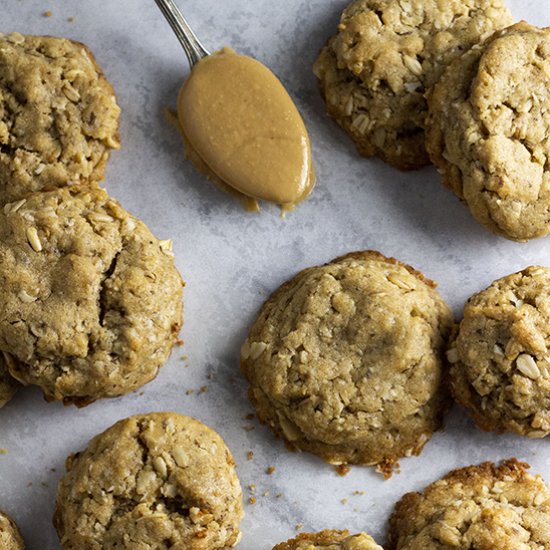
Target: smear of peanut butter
<point>237,117</point>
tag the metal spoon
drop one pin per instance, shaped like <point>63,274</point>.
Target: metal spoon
<point>194,50</point>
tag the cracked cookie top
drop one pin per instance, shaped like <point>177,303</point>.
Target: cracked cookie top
<point>154,481</point>
<point>329,540</point>
<point>91,300</point>
<point>345,360</point>
<point>486,507</point>
<point>500,358</point>
<point>488,131</point>
<point>10,537</point>
<point>8,384</point>
<point>58,115</point>
<point>375,72</point>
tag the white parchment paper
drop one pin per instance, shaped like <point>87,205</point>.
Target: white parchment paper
<point>232,260</point>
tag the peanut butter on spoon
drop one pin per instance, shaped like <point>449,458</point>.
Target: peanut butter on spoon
<point>237,117</point>
<point>239,124</point>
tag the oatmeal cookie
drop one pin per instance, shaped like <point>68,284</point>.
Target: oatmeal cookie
<point>374,73</point>
<point>500,360</point>
<point>488,131</point>
<point>10,537</point>
<point>345,360</point>
<point>329,540</point>
<point>91,300</point>
<point>486,507</point>
<point>154,481</point>
<point>58,115</point>
<point>8,384</point>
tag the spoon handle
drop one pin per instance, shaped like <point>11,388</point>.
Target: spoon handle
<point>194,50</point>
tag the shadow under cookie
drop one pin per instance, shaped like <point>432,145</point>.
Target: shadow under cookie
<point>8,384</point>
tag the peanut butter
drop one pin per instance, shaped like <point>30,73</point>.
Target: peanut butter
<point>237,117</point>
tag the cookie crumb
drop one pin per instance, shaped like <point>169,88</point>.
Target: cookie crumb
<point>299,526</point>
<point>3,451</point>
<point>252,500</point>
<point>203,389</point>
<point>47,13</point>
<point>189,392</point>
<point>344,501</point>
<point>387,468</point>
<point>270,470</point>
<point>342,470</point>
<point>357,492</point>
<point>249,455</point>
<point>265,494</point>
<point>70,19</point>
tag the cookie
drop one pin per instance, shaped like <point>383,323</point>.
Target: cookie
<point>488,131</point>
<point>486,507</point>
<point>329,540</point>
<point>10,537</point>
<point>158,480</point>
<point>8,384</point>
<point>500,365</point>
<point>91,300</point>
<point>346,360</point>
<point>58,115</point>
<point>387,53</point>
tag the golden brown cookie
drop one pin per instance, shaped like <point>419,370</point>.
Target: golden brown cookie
<point>486,507</point>
<point>154,481</point>
<point>329,540</point>
<point>500,360</point>
<point>8,384</point>
<point>10,537</point>
<point>346,361</point>
<point>387,53</point>
<point>58,115</point>
<point>91,301</point>
<point>488,131</point>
